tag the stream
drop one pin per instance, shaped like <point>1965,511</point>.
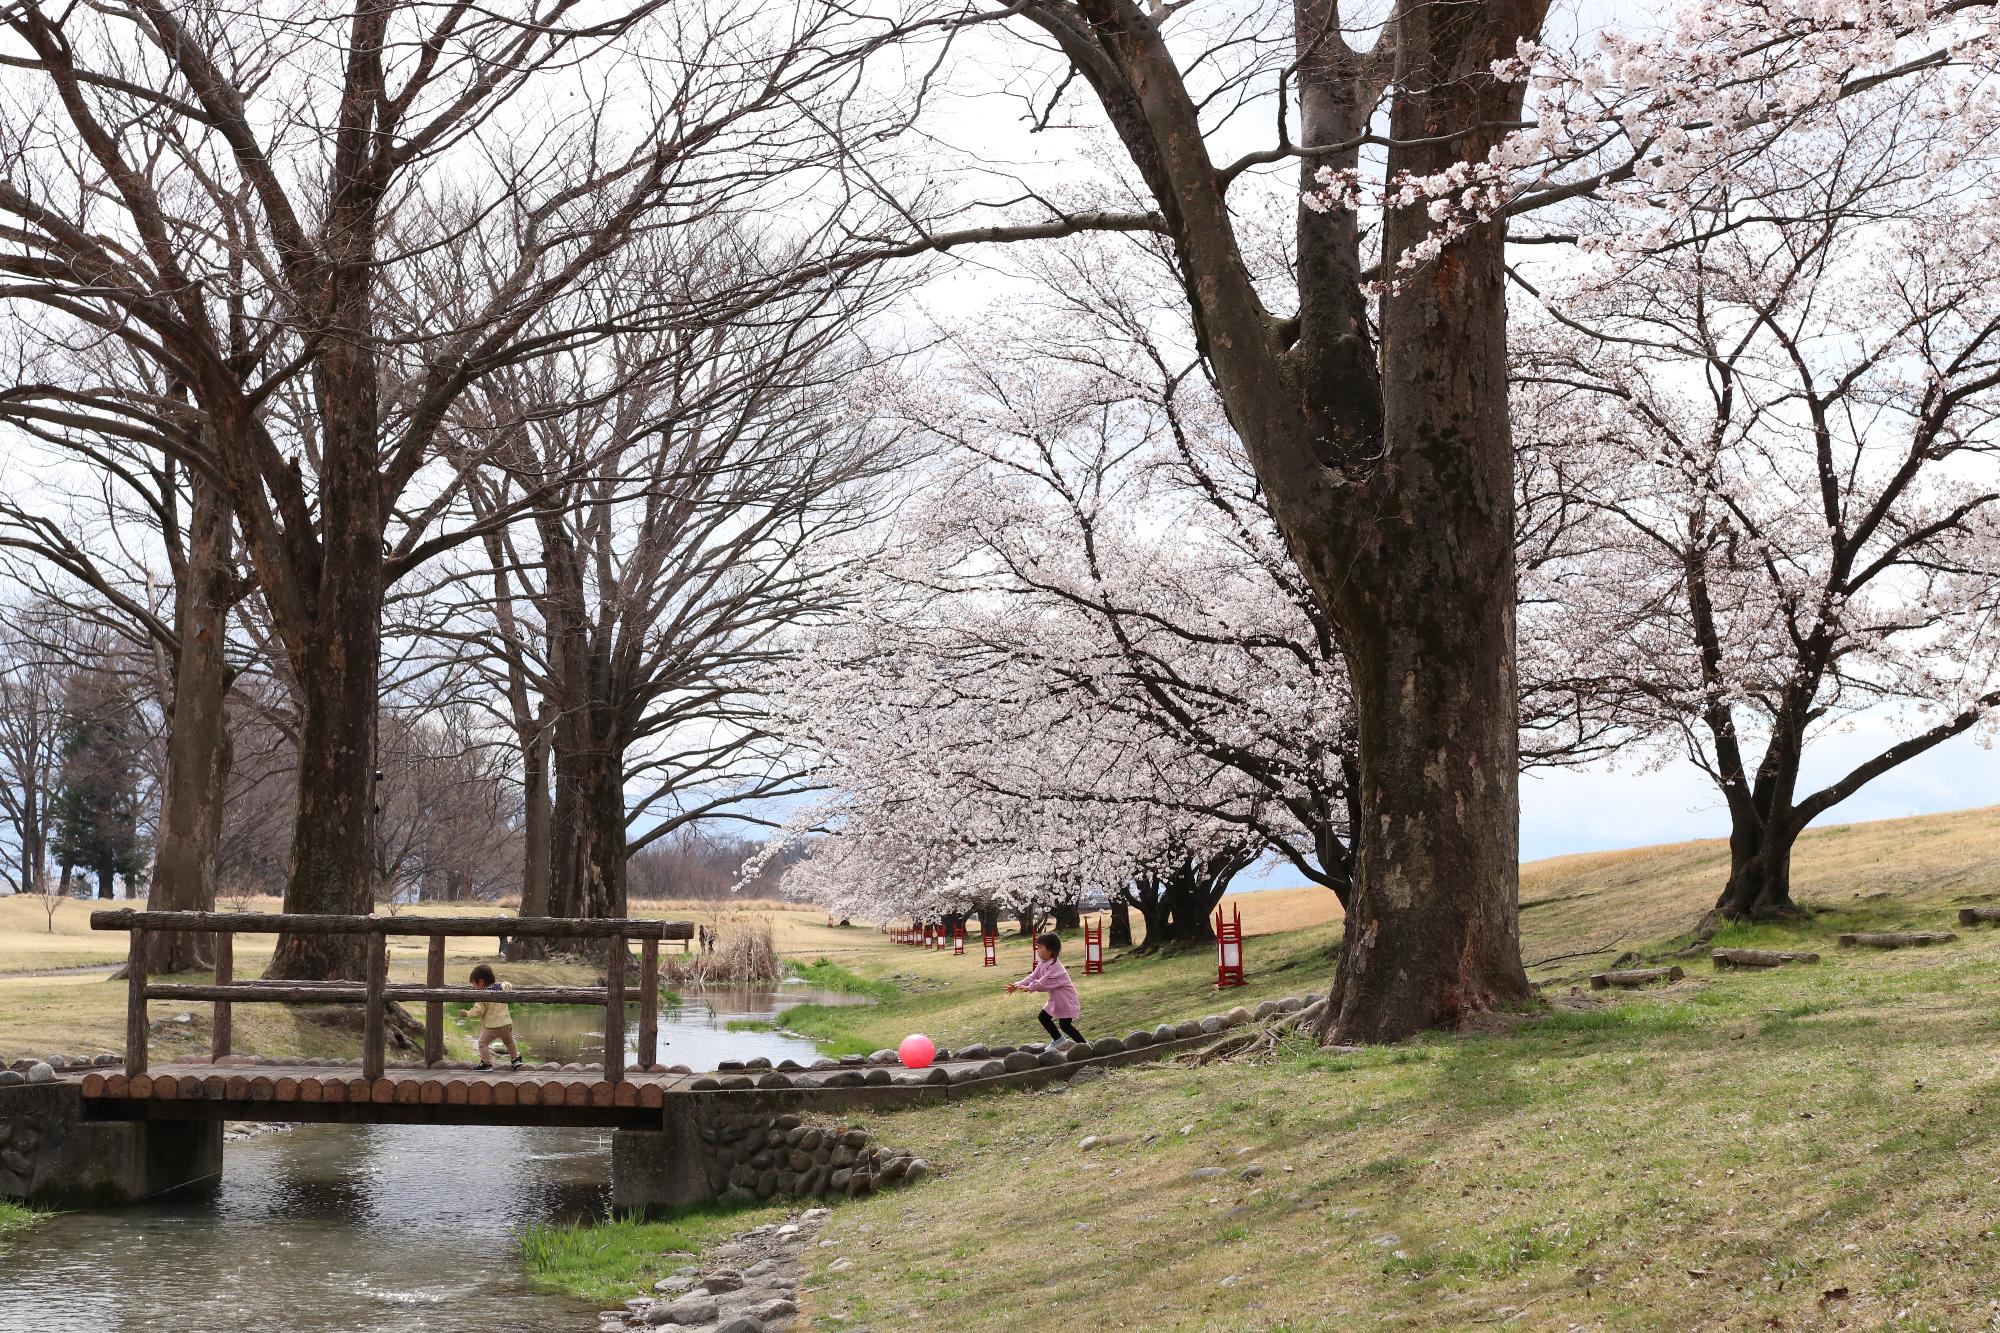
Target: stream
<point>366,1228</point>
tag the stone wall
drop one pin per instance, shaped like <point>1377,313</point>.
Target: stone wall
<point>50,1154</point>
<point>783,1156</point>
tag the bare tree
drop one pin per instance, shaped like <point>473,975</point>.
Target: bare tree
<point>240,201</point>
<point>31,727</point>
<point>692,492</point>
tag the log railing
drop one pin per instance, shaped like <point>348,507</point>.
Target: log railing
<point>376,992</point>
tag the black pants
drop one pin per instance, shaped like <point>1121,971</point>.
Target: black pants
<point>1068,1028</point>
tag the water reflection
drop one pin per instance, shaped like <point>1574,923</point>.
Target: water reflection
<point>396,1228</point>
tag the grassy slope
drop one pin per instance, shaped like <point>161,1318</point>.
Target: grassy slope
<point>1803,1149</point>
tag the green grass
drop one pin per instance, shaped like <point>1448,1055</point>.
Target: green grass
<point>750,1025</point>
<point>825,974</point>
<point>607,1262</point>
<point>955,1000</point>
<point>14,1219</point>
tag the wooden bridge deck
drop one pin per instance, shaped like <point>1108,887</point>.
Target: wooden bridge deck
<point>435,1095</point>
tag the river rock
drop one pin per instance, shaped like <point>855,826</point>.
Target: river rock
<point>1212,1024</point>
<point>789,1066</point>
<point>854,1061</point>
<point>837,1182</point>
<point>937,1075</point>
<point>855,1139</point>
<point>1188,1027</point>
<point>722,1279</point>
<point>704,1084</point>
<point>1076,1054</point>
<point>1251,1172</point>
<point>778,1308</point>
<point>685,1310</point>
<point>758,1062</point>
<point>1208,1172</point>
<point>41,1072</point>
<point>1264,1010</point>
<point>729,1066</point>
<point>883,1058</point>
<point>1236,1017</point>
<point>917,1169</point>
<point>742,1323</point>
<point>876,1078</point>
<point>1138,1039</point>
<point>976,1051</point>
<point>845,1078</point>
<point>8,1078</point>
<point>736,1083</point>
<point>774,1080</point>
<point>811,1138</point>
<point>674,1286</point>
<point>1051,1059</point>
<point>1107,1046</point>
<point>1019,1061</point>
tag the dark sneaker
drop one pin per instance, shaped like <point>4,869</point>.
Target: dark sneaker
<point>483,1067</point>
<point>517,1063</point>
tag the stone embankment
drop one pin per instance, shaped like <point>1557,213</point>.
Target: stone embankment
<point>748,1284</point>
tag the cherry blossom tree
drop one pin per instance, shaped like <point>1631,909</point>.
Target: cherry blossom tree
<point>1783,415</point>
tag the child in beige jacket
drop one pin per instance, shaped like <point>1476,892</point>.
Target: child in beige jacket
<point>495,1022</point>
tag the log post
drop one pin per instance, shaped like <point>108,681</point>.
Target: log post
<point>135,1006</point>
<point>649,1004</point>
<point>1728,958</point>
<point>225,972</point>
<point>1638,976</point>
<point>614,1010</point>
<point>374,1020</point>
<point>434,1009</point>
<point>1972,916</point>
<point>1894,939</point>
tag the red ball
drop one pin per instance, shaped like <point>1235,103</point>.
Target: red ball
<point>917,1051</point>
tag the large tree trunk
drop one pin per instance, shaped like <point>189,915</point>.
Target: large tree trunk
<point>1191,895</point>
<point>1423,591</point>
<point>337,674</point>
<point>1146,895</point>
<point>589,874</point>
<point>199,750</point>
<point>1121,925</point>
<point>1067,915</point>
<point>1760,869</point>
<point>537,843</point>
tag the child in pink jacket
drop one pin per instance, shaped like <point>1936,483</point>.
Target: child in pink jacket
<point>1049,975</point>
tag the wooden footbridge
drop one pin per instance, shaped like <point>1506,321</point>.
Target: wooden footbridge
<point>615,1094</point>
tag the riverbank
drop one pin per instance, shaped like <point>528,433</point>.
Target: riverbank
<point>15,1219</point>
<point>1802,1148</point>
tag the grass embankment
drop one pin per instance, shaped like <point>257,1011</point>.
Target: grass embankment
<point>606,1264</point>
<point>1807,1148</point>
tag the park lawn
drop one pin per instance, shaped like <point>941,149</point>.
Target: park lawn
<point>1807,1148</point>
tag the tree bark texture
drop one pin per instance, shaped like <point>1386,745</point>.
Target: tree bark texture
<point>1120,936</point>
<point>199,751</point>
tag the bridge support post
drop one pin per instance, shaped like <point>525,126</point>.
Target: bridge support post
<point>49,1154</point>
<point>655,1171</point>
